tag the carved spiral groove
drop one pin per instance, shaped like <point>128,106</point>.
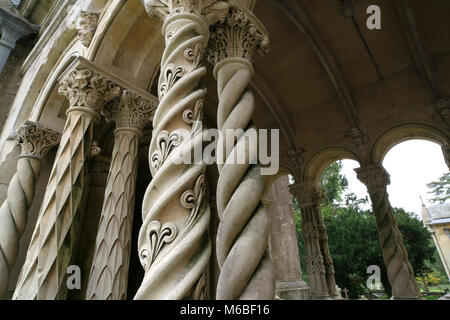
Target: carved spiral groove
<point>243,234</point>
<point>399,269</point>
<point>14,215</point>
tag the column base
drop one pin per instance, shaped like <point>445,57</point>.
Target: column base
<point>292,290</point>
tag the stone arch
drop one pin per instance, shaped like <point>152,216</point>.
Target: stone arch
<point>321,159</point>
<point>401,133</point>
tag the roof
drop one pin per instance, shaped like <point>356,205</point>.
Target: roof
<point>436,214</point>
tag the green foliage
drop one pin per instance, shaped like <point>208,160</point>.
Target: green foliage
<point>440,189</point>
<point>353,237</point>
<point>333,183</point>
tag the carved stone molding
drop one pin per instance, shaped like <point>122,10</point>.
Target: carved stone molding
<point>86,25</point>
<point>210,11</point>
<point>131,110</point>
<point>237,37</point>
<point>373,176</point>
<point>35,140</point>
<point>306,193</point>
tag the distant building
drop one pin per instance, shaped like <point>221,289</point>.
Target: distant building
<point>437,218</point>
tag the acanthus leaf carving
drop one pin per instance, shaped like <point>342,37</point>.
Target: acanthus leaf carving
<point>87,89</point>
<point>35,140</point>
<point>237,37</point>
<point>131,110</point>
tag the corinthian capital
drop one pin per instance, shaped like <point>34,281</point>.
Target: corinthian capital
<point>35,140</point>
<point>87,89</point>
<point>131,110</point>
<point>210,10</point>
<point>86,26</point>
<point>240,36</point>
<point>306,193</point>
<point>373,176</point>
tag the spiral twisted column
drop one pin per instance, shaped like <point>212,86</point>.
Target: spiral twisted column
<point>35,142</point>
<point>53,240</point>
<point>324,249</point>
<point>307,195</point>
<point>174,243</point>
<point>399,269</point>
<point>243,251</point>
<point>109,273</point>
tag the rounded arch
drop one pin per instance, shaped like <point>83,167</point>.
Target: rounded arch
<point>401,133</point>
<point>321,159</point>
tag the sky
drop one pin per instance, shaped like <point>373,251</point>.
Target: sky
<point>411,165</point>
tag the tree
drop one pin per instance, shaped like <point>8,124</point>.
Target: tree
<point>333,183</point>
<point>440,189</point>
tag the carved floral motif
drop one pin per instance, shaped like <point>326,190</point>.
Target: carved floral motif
<point>157,237</point>
<point>131,110</point>
<point>87,89</point>
<point>166,143</point>
<point>35,140</point>
<point>238,37</point>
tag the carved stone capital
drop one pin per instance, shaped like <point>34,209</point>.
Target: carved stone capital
<point>210,11</point>
<point>86,25</point>
<point>35,140</point>
<point>373,176</point>
<point>130,110</point>
<point>88,90</point>
<point>237,37</point>
<point>306,193</point>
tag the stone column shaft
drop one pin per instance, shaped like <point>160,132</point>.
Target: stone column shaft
<point>35,142</point>
<point>306,195</point>
<point>53,240</point>
<point>400,272</point>
<point>174,242</point>
<point>323,241</point>
<point>108,278</point>
<point>243,250</point>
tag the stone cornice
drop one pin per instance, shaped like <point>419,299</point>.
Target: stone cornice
<point>241,35</point>
<point>373,176</point>
<point>36,140</point>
